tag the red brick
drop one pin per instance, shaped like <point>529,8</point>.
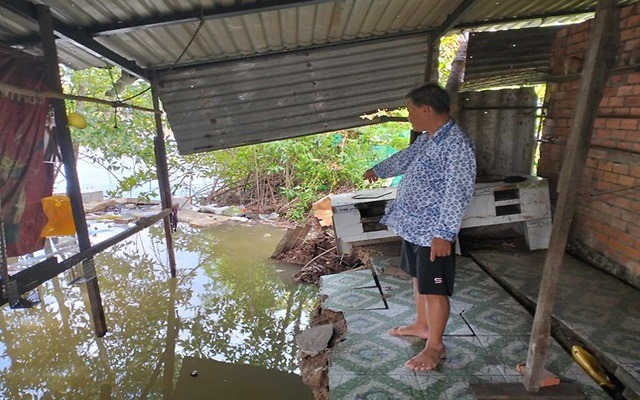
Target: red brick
<point>634,252</point>
<point>632,101</point>
<point>617,134</point>
<point>626,180</point>
<point>630,44</point>
<point>624,146</point>
<point>605,165</point>
<point>606,110</point>
<point>632,21</point>
<point>617,79</point>
<point>613,123</point>
<point>616,101</point>
<point>600,123</point>
<point>627,34</point>
<point>633,135</point>
<point>622,111</point>
<point>629,123</point>
<point>625,90</point>
<point>610,177</point>
<point>633,78</point>
<point>622,169</point>
<point>634,170</point>
<point>626,12</point>
<point>617,245</point>
<point>604,102</point>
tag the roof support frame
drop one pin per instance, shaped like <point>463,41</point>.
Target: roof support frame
<point>63,138</point>
<point>216,12</point>
<point>599,62</point>
<point>454,17</point>
<point>80,37</point>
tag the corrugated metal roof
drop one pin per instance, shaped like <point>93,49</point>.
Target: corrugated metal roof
<point>143,32</point>
<point>300,93</point>
<point>155,35</point>
<point>508,58</point>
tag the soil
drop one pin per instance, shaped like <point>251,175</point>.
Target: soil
<point>318,255</point>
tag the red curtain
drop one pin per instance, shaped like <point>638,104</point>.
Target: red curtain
<point>25,178</point>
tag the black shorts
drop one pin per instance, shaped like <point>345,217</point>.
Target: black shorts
<point>433,277</point>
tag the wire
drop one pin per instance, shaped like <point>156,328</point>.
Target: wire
<point>193,37</point>
<point>614,191</point>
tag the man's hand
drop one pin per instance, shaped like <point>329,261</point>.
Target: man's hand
<point>439,248</point>
<point>370,176</point>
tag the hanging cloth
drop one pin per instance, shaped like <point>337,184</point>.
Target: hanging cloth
<point>24,176</point>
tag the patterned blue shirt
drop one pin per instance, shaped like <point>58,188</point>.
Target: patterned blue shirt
<point>437,186</point>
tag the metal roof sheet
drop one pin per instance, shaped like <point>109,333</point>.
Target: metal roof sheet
<point>508,58</point>
<point>299,93</point>
<point>273,37</point>
<point>143,30</point>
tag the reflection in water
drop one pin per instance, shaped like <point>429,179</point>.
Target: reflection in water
<point>228,303</point>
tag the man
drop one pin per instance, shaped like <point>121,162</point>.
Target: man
<point>439,173</point>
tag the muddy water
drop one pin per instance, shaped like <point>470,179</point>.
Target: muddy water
<point>230,306</point>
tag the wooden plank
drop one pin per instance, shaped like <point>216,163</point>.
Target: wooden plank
<point>34,276</point>
<point>599,62</point>
<point>291,238</point>
<point>515,391</point>
<point>162,171</point>
<point>63,138</point>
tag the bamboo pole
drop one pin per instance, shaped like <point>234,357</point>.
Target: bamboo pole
<point>599,62</point>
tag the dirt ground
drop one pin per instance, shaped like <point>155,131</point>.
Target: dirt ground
<point>318,255</point>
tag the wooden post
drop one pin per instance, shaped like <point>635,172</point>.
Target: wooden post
<point>63,137</point>
<point>163,173</point>
<point>600,59</point>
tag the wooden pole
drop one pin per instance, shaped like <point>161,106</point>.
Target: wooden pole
<point>163,174</point>
<point>63,137</point>
<point>600,59</point>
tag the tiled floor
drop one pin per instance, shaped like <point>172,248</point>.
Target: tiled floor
<point>598,309</point>
<point>487,335</point>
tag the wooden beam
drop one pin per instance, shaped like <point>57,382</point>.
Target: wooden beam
<point>34,276</point>
<point>163,175</point>
<point>93,250</point>
<point>515,391</point>
<point>453,18</point>
<point>63,138</point>
<point>600,59</point>
<point>76,35</point>
<point>235,9</point>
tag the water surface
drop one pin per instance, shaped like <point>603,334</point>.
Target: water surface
<point>230,303</point>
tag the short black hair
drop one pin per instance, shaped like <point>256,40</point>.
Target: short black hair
<point>432,95</point>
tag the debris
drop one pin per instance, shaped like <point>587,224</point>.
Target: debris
<point>316,252</point>
<point>314,340</point>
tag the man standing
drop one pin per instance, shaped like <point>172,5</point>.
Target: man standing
<point>439,173</point>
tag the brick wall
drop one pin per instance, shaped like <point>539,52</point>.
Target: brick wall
<point>606,228</point>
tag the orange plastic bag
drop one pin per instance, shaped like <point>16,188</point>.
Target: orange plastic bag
<point>60,218</point>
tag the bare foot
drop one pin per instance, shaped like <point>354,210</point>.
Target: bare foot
<point>409,330</point>
<point>427,360</point>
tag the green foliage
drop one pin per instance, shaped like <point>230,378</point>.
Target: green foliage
<point>285,176</point>
<point>302,170</point>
